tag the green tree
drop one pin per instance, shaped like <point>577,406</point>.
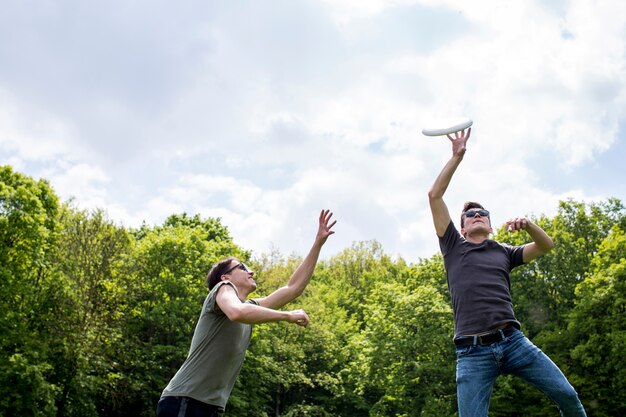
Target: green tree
<point>594,341</point>
<point>28,227</point>
<point>408,351</point>
<point>89,251</point>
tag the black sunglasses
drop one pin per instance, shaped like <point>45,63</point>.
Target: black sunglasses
<point>241,266</point>
<point>473,212</point>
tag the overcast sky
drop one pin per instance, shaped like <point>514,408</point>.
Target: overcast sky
<point>262,113</point>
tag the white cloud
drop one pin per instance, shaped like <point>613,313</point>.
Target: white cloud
<point>32,135</point>
<point>316,105</point>
<point>345,12</point>
<point>85,183</point>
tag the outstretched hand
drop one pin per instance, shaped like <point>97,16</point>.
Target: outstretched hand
<point>324,229</point>
<point>459,140</point>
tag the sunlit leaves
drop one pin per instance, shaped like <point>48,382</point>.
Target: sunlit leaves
<point>96,318</point>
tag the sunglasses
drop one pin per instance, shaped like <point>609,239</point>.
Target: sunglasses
<point>241,266</point>
<point>473,212</point>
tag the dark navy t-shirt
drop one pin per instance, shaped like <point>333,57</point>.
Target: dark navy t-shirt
<point>479,283</point>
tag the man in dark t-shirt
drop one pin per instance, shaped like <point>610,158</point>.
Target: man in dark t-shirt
<point>487,335</point>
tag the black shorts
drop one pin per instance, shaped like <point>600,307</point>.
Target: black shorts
<point>185,407</point>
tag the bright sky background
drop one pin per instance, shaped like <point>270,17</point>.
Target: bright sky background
<point>264,112</point>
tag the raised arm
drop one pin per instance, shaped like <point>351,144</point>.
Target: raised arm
<point>438,207</point>
<point>300,279</point>
<point>541,244</point>
<point>249,313</point>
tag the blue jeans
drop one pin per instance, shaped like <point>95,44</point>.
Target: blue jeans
<point>478,367</point>
<point>184,407</point>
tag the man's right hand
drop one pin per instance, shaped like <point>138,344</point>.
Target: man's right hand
<point>438,208</point>
<point>459,141</point>
<point>298,317</point>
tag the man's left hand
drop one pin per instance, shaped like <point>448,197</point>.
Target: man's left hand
<point>324,229</point>
<point>517,223</point>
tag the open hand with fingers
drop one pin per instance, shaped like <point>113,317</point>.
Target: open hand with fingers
<point>459,141</point>
<point>325,229</point>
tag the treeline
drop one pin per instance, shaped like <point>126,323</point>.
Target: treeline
<point>96,318</point>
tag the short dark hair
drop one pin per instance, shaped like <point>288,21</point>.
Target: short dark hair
<point>217,270</point>
<point>469,205</point>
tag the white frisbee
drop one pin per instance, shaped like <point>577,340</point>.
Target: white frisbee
<point>447,127</point>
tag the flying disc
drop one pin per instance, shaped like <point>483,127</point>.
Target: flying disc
<point>447,127</point>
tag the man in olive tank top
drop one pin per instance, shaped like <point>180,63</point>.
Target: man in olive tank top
<point>487,335</point>
<point>203,383</point>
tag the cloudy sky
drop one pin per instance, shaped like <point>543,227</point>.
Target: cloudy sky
<point>264,112</point>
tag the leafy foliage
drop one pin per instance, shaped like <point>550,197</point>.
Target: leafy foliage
<point>28,227</point>
<point>96,318</point>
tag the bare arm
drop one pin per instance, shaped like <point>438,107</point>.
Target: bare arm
<point>438,207</point>
<point>541,244</point>
<point>249,313</point>
<point>301,277</point>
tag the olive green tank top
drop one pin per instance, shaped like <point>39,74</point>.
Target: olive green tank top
<point>217,351</point>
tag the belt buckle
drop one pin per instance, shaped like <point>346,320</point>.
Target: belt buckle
<point>495,336</point>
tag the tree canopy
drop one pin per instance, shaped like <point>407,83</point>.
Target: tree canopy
<point>96,317</point>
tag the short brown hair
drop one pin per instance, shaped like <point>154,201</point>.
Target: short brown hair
<point>215,274</point>
<point>469,205</point>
